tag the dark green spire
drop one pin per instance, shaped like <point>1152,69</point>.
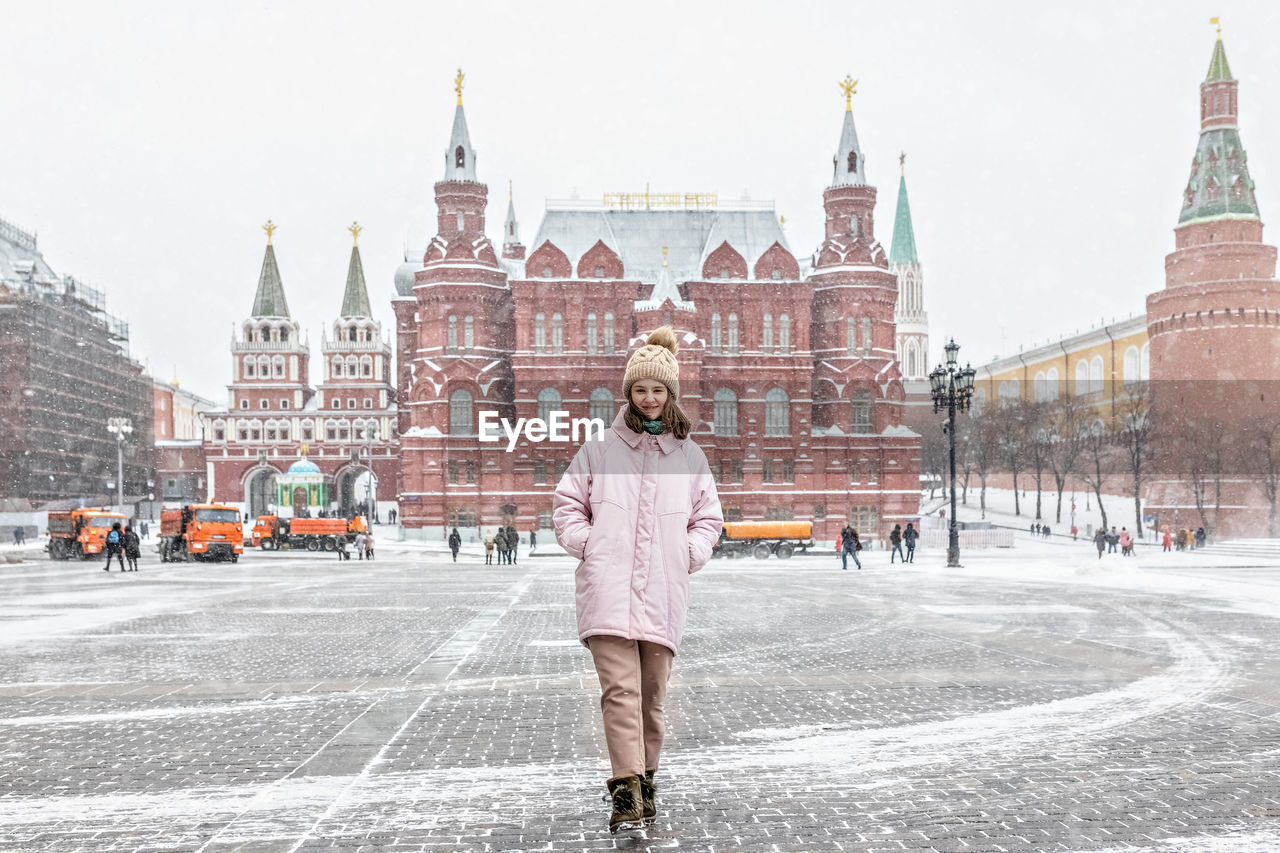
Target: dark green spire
<point>355,300</point>
<point>903,250</point>
<point>269,300</point>
<point>1219,71</point>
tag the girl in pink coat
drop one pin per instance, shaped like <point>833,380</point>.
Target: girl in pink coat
<point>640,511</point>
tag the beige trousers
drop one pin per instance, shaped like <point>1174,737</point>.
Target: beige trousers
<point>633,685</point>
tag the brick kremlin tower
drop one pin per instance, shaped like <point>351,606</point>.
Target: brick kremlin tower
<point>1215,327</point>
<point>857,385</point>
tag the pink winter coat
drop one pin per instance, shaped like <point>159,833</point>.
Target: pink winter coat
<point>641,513</point>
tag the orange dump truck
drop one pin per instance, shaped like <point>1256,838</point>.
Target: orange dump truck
<point>202,531</point>
<point>80,533</point>
<point>271,532</point>
<point>762,538</point>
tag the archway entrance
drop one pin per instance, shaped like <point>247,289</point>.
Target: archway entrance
<point>357,492</point>
<point>300,502</point>
<point>260,496</point>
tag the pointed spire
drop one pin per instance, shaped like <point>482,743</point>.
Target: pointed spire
<point>510,228</point>
<point>849,165</point>
<point>355,299</point>
<point>1219,70</point>
<point>269,301</point>
<point>903,250</point>
<point>459,157</point>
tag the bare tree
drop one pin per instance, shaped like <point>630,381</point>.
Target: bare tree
<point>933,458</point>
<point>1134,439</point>
<point>1011,439</point>
<point>964,455</point>
<point>1065,445</point>
<point>1264,461</point>
<point>1036,431</point>
<point>1094,459</point>
<point>985,451</point>
<point>1204,454</point>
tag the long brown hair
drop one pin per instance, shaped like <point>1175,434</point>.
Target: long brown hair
<point>674,420</point>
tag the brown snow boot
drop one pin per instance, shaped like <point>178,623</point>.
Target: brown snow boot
<point>624,792</point>
<point>649,797</point>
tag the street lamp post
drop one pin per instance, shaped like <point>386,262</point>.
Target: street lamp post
<point>952,389</point>
<point>119,427</point>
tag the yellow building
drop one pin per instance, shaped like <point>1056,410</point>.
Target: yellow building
<point>1094,365</point>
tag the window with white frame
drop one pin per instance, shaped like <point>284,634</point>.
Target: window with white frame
<point>733,334</point>
<point>548,401</point>
<point>469,333</point>
<point>608,334</point>
<point>451,335</point>
<point>540,333</point>
<point>766,337</point>
<point>784,334</point>
<point>591,334</point>
<point>777,418</point>
<point>726,412</point>
<point>602,405</point>
<point>715,334</point>
<point>861,412</point>
<point>557,333</point>
<point>461,414</point>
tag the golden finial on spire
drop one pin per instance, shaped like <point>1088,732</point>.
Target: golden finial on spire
<point>457,85</point>
<point>355,230</point>
<point>782,221</point>
<point>902,163</point>
<point>664,256</point>
<point>850,87</point>
<point>511,193</point>
<point>270,228</point>
<point>1217,24</point>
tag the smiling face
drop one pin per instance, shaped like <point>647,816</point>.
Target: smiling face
<point>649,396</point>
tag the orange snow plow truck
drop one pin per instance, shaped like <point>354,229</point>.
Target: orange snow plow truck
<point>271,532</point>
<point>80,533</point>
<point>202,531</point>
<point>762,538</point>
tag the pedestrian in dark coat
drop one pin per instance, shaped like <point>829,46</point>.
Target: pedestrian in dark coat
<point>533,540</point>
<point>895,539</point>
<point>909,537</point>
<point>849,547</point>
<point>513,544</point>
<point>455,542</point>
<point>115,546</point>
<point>132,548</point>
<point>1201,537</point>
<point>1100,541</point>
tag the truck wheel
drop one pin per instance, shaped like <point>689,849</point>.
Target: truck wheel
<point>313,544</point>
<point>235,558</point>
<point>79,552</point>
<point>784,550</point>
<point>716,553</point>
<point>330,545</point>
<point>761,551</point>
<point>267,545</point>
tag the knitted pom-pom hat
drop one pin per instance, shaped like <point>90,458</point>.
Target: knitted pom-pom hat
<point>655,360</point>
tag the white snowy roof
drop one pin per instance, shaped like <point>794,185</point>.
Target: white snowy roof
<point>639,236</point>
<point>20,258</point>
<point>841,176</point>
<point>662,291</point>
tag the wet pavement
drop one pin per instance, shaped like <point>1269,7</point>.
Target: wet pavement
<point>291,702</point>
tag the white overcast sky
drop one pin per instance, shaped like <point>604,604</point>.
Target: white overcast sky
<point>1047,143</point>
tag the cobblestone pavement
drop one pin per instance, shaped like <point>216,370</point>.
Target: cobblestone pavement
<point>292,703</point>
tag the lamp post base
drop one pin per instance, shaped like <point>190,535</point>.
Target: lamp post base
<point>953,558</point>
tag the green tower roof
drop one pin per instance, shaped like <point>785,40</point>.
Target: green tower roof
<point>355,300</point>
<point>903,250</point>
<point>269,301</point>
<point>1218,68</point>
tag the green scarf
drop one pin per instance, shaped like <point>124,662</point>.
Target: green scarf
<point>653,427</point>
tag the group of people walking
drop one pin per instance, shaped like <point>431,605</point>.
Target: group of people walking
<point>848,544</point>
<point>123,544</point>
<point>505,541</point>
<point>362,544</point>
<point>1038,529</point>
<point>1185,539</point>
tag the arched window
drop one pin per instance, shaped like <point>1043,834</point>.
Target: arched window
<point>1038,387</point>
<point>1003,393</point>
<point>353,366</point>
<point>548,400</point>
<point>853,161</point>
<point>460,414</point>
<point>766,338</point>
<point>264,367</point>
<point>733,334</point>
<point>1095,374</point>
<point>540,333</point>
<point>557,333</point>
<point>277,367</point>
<point>850,336</point>
<point>284,335</point>
<point>715,333</point>
<point>866,336</point>
<point>608,334</point>
<point>1132,365</point>
<point>265,332</point>
<point>861,412</point>
<point>351,332</point>
<point>1015,389</point>
<point>460,157</point>
<point>1144,362</point>
<point>1051,384</point>
<point>366,366</point>
<point>469,334</point>
<point>451,339</point>
<point>911,359</point>
<point>784,334</point>
<point>777,418</point>
<point>602,405</point>
<point>591,334</point>
<point>726,412</point>
<point>979,400</point>
<point>249,367</point>
<point>1082,377</point>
